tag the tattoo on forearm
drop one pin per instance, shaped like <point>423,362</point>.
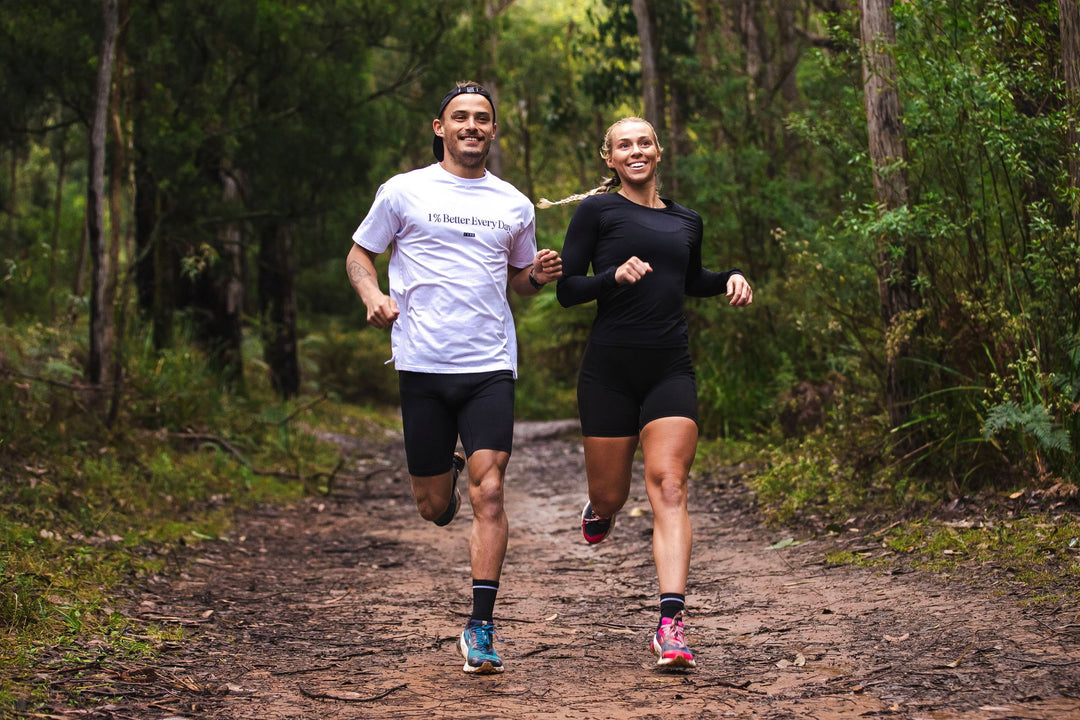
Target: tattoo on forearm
<point>357,272</point>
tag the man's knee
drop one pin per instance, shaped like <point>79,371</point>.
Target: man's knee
<point>486,495</point>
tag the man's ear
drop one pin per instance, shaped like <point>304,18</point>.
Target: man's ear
<point>436,127</point>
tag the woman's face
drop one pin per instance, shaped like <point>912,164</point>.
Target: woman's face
<point>634,152</point>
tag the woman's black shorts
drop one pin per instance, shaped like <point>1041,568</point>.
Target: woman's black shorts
<point>621,389</point>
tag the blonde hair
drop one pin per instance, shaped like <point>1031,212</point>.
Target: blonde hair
<point>611,182</point>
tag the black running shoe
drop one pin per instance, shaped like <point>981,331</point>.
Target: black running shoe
<point>458,462</point>
<point>594,527</point>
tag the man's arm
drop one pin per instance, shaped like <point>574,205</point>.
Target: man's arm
<point>382,311</point>
<point>546,267</point>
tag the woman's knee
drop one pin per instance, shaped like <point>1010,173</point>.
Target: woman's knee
<point>667,488</point>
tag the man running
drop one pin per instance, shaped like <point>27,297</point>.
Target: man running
<point>460,237</point>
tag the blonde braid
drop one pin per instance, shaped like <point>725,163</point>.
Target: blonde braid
<point>607,186</point>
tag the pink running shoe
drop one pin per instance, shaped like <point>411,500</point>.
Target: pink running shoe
<point>594,527</point>
<point>669,646</point>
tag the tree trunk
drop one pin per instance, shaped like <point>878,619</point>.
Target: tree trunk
<point>277,305</point>
<point>1069,19</point>
<point>679,146</point>
<point>78,280</point>
<point>58,211</point>
<point>117,294</point>
<point>755,51</point>
<point>492,9</point>
<point>13,175</point>
<point>101,312</point>
<point>224,332</point>
<point>651,89</point>
<point>156,261</point>
<point>789,53</point>
<point>888,152</point>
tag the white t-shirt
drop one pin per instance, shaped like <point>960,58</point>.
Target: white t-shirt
<point>453,239</point>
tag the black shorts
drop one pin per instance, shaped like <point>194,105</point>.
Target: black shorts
<point>621,389</point>
<point>437,408</point>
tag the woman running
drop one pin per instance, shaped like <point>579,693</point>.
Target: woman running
<point>637,382</point>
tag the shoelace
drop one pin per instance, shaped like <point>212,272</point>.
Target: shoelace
<point>594,518</point>
<point>672,634</point>
<point>483,637</point>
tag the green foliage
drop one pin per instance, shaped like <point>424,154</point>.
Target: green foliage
<point>350,364</point>
<point>825,477</point>
<point>1035,421</point>
<point>551,340</point>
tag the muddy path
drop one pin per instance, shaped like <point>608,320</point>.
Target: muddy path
<point>348,606</point>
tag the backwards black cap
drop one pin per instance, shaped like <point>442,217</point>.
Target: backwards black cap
<point>437,143</point>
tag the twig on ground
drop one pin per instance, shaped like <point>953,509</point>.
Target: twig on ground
<point>349,697</point>
<point>300,671</point>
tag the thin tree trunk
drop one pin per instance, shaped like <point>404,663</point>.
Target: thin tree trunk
<point>888,152</point>
<point>118,172</point>
<point>227,311</point>
<point>751,28</point>
<point>101,315</point>
<point>651,89</point>
<point>492,9</point>
<point>155,261</point>
<point>277,304</point>
<point>58,211</point>
<point>78,280</point>
<point>13,175</point>
<point>678,143</point>
<point>527,154</point>
<point>1069,19</point>
<point>789,53</point>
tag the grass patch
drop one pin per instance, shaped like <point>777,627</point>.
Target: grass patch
<point>823,483</point>
<point>1039,551</point>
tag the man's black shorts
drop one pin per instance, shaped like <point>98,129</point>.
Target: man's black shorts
<point>437,408</point>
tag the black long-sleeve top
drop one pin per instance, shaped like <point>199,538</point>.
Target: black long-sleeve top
<point>605,231</point>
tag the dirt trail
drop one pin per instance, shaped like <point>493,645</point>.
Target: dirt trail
<point>349,607</point>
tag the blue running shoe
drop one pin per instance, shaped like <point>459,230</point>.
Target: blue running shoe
<point>594,527</point>
<point>458,464</point>
<point>477,647</point>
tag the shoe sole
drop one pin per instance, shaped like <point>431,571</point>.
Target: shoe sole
<point>600,539</point>
<point>486,669</point>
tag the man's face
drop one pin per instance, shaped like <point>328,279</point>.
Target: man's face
<point>467,127</point>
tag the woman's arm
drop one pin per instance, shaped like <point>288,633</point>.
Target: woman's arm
<point>699,281</point>
<point>576,286</point>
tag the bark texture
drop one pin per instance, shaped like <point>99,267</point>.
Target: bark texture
<point>896,256</point>
<point>101,311</point>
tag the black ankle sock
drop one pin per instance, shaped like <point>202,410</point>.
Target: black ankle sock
<point>671,604</point>
<point>483,599</point>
